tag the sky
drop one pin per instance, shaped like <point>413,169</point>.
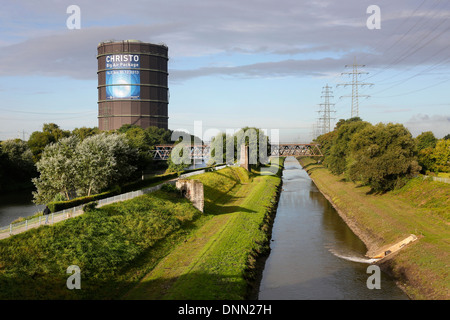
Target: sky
<point>233,63</point>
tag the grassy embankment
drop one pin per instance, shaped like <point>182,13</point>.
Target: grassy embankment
<point>220,260</point>
<point>119,244</point>
<point>422,207</point>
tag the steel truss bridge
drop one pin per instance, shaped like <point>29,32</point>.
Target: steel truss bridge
<point>162,152</point>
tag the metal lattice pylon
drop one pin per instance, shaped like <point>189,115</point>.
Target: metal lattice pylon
<point>324,120</point>
<point>355,86</point>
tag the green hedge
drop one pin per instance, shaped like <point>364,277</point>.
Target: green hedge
<point>61,205</point>
<point>147,182</point>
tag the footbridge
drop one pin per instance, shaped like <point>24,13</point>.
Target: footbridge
<point>162,152</point>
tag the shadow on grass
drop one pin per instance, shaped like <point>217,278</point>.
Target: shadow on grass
<point>217,205</point>
<point>191,286</point>
<point>372,191</point>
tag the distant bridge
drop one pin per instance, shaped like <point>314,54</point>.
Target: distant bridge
<point>162,152</point>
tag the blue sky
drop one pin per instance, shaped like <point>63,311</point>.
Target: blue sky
<point>232,63</point>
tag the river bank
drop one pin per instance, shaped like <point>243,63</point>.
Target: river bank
<point>314,255</point>
<point>159,238</point>
<point>419,208</point>
<point>220,260</point>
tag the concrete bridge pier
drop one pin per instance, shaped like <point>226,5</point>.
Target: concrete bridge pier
<point>244,159</point>
<point>193,190</point>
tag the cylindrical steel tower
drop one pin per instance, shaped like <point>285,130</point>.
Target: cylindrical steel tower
<point>132,84</point>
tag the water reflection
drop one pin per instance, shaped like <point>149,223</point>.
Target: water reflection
<point>312,249</point>
<point>14,205</point>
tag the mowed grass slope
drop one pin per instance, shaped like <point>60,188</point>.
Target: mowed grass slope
<point>114,246</point>
<point>219,260</point>
<point>421,208</point>
<point>117,245</point>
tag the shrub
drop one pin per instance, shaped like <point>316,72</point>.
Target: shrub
<point>90,206</point>
<point>55,206</point>
<point>168,187</point>
<point>382,156</point>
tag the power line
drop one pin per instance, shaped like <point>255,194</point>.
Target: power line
<point>411,92</point>
<point>324,120</point>
<point>400,23</point>
<point>413,48</point>
<point>355,87</point>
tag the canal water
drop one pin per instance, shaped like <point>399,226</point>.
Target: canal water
<point>314,254</point>
<point>14,205</point>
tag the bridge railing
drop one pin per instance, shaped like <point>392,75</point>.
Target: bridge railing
<point>162,152</point>
<point>440,179</point>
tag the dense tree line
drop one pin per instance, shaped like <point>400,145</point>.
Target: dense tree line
<point>382,156</point>
<point>226,148</point>
<point>433,153</point>
<point>16,165</point>
<point>63,163</point>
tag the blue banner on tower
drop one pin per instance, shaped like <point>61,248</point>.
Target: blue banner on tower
<point>122,81</point>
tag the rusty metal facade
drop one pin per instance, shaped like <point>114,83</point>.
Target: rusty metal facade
<point>151,109</point>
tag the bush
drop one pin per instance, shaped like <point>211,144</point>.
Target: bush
<point>145,183</point>
<point>90,206</point>
<point>339,150</point>
<point>168,187</point>
<point>55,206</point>
<point>382,156</point>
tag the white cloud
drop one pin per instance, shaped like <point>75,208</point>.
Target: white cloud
<point>438,124</point>
<point>199,28</point>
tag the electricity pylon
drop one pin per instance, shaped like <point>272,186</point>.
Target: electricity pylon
<point>355,85</point>
<point>324,121</point>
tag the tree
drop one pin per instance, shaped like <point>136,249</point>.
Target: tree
<point>441,155</point>
<point>179,158</point>
<point>337,159</point>
<point>326,142</point>
<point>16,165</point>
<point>426,160</point>
<point>103,160</point>
<point>57,168</point>
<point>20,158</point>
<point>80,168</point>
<point>258,143</point>
<point>227,148</point>
<point>222,149</point>
<point>426,140</point>
<point>382,156</point>
<point>84,132</point>
<point>144,141</point>
<point>157,136</point>
<point>343,121</point>
<point>39,140</point>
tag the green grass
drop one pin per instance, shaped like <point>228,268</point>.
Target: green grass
<point>118,245</point>
<point>104,243</point>
<point>421,207</point>
<point>219,261</point>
